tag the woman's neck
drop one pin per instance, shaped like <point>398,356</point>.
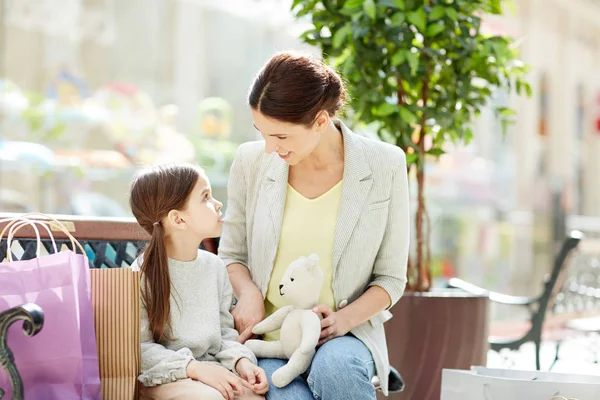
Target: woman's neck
<point>328,153</point>
<point>182,247</point>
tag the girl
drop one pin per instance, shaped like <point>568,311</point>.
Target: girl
<point>189,348</point>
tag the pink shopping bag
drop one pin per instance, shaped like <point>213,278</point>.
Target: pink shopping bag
<point>61,361</point>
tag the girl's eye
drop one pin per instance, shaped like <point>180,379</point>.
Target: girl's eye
<point>207,197</point>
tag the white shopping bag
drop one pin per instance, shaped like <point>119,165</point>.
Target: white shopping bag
<point>468,385</point>
<point>536,375</point>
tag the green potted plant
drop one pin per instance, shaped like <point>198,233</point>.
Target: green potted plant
<point>419,71</point>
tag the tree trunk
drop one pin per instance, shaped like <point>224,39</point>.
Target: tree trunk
<point>411,272</point>
<point>424,277</point>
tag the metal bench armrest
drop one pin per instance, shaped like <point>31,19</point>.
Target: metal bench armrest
<point>494,296</point>
<point>33,321</point>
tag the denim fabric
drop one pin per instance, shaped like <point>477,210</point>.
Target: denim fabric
<point>342,369</point>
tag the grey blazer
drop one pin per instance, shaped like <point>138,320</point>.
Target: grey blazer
<point>372,231</point>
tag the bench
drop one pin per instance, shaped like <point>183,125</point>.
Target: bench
<point>109,243</point>
<point>568,305</point>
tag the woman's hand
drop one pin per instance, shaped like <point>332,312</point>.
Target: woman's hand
<point>253,374</point>
<point>249,311</point>
<point>333,324</point>
<point>220,378</point>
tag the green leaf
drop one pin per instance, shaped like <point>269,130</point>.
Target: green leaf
<point>369,7</point>
<point>433,30</point>
<point>399,57</point>
<point>496,6</point>
<point>385,109</point>
<point>510,6</point>
<point>436,152</point>
<point>468,136</point>
<point>400,4</point>
<point>353,4</point>
<point>398,19</point>
<point>413,61</point>
<point>451,12</point>
<point>505,111</point>
<point>528,90</point>
<point>418,18</point>
<point>56,131</point>
<point>436,13</point>
<point>408,116</point>
<point>341,35</point>
<point>411,158</point>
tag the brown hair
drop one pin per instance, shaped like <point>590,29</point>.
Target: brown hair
<point>294,88</point>
<point>154,192</point>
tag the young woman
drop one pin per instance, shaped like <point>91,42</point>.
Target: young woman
<point>313,186</point>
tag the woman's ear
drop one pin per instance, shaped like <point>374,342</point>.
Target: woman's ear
<point>322,121</point>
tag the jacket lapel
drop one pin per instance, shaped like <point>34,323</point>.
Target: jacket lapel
<point>355,190</point>
<point>274,187</point>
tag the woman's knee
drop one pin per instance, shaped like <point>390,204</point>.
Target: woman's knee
<point>297,389</point>
<point>344,356</point>
<point>342,369</point>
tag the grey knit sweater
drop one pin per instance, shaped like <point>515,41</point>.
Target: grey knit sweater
<point>201,322</point>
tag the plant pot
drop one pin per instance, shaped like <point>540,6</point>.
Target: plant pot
<point>435,330</point>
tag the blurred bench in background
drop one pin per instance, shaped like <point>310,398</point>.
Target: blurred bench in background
<point>568,305</point>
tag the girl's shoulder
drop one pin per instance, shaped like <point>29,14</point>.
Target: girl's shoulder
<point>210,260</point>
<point>205,259</point>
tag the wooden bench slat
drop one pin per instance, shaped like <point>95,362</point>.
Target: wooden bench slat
<point>588,325</point>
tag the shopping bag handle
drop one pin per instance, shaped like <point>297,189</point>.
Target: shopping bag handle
<point>20,221</point>
<point>32,219</point>
<point>47,219</point>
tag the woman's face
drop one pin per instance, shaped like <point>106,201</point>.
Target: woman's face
<point>292,142</point>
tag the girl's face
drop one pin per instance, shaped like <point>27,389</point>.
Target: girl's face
<point>202,214</point>
<point>292,142</point>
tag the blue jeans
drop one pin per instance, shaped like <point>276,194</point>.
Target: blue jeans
<point>342,369</point>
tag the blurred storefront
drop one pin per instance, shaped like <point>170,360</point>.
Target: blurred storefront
<point>107,86</point>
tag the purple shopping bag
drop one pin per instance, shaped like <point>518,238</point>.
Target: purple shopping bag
<point>61,361</point>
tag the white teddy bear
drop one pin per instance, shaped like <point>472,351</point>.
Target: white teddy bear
<point>300,326</point>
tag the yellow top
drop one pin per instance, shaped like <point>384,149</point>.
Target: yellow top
<point>308,227</point>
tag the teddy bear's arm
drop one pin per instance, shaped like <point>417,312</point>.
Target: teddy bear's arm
<point>272,322</point>
<point>311,330</point>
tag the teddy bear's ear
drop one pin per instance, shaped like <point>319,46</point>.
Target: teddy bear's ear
<point>314,259</point>
<point>313,262</point>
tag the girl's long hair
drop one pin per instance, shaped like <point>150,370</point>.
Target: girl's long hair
<point>154,193</point>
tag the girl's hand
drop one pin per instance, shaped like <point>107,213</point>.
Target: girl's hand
<point>254,375</point>
<point>220,378</point>
<point>249,311</point>
<point>333,324</point>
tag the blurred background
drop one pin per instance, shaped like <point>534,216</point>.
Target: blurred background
<point>92,89</point>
